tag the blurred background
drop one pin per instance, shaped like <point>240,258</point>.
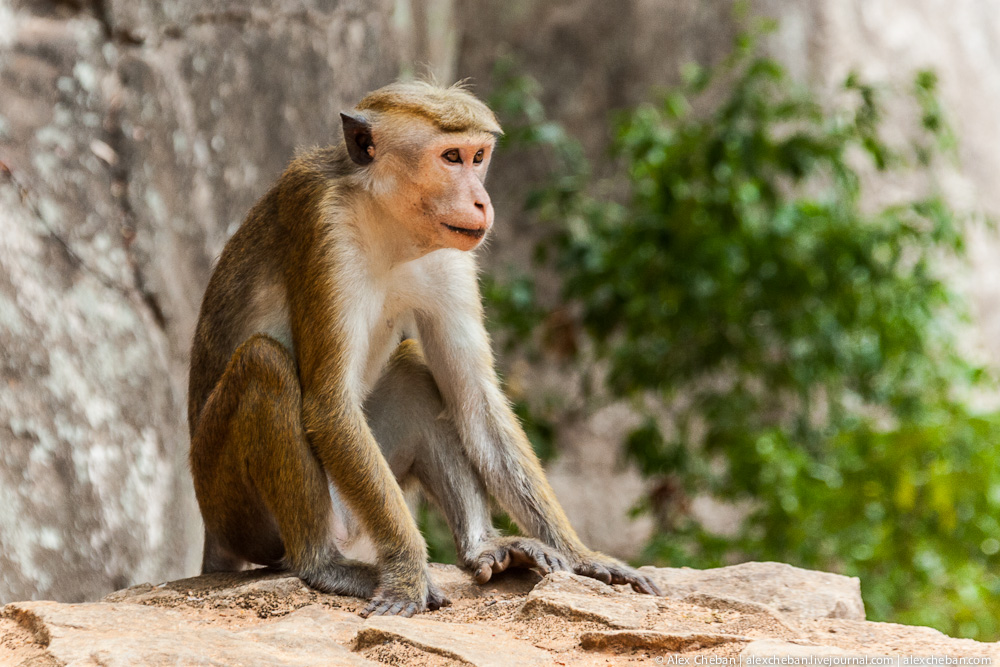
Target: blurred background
<point>743,284</point>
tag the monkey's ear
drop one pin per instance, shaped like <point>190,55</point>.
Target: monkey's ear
<point>358,136</point>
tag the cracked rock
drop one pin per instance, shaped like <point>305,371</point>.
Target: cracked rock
<point>575,597</point>
<point>269,618</point>
<point>792,591</point>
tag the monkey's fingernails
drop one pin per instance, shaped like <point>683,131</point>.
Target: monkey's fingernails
<point>501,564</point>
<point>652,588</point>
<point>640,586</point>
<point>538,560</point>
<point>396,610</point>
<point>436,599</point>
<point>484,568</point>
<point>602,574</point>
<point>544,564</point>
<point>483,573</point>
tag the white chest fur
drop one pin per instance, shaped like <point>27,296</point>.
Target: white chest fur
<point>382,309</point>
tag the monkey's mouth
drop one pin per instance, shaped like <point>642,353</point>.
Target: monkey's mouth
<point>471,233</point>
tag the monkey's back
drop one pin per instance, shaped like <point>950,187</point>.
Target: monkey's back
<point>226,308</point>
<point>247,292</point>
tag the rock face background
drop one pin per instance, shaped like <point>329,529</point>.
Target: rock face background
<point>135,134</point>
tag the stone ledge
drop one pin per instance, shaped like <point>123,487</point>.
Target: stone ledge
<point>269,618</point>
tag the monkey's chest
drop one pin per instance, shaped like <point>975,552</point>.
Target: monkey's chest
<point>386,308</point>
<point>387,332</point>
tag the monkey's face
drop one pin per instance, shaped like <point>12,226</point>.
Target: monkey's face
<point>455,202</point>
<point>440,196</point>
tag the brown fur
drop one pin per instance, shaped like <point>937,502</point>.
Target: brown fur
<point>449,109</point>
<point>280,404</point>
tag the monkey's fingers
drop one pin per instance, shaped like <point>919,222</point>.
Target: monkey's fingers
<point>390,607</point>
<point>503,553</point>
<point>530,553</point>
<point>646,585</point>
<point>640,583</point>
<point>543,561</point>
<point>436,599</point>
<point>370,609</point>
<point>556,562</point>
<point>490,563</point>
<point>374,607</point>
<point>484,568</point>
<point>523,556</point>
<point>594,570</point>
<point>406,609</point>
<point>395,609</point>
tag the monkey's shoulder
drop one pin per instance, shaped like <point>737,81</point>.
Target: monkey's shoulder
<point>326,164</point>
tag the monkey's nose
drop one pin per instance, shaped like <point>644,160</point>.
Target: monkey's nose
<point>486,211</point>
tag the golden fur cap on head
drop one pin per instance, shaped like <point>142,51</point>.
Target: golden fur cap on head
<point>452,109</point>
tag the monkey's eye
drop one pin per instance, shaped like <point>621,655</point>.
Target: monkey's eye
<point>478,157</point>
<point>453,156</point>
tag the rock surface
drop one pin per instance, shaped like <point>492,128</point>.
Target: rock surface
<point>269,618</point>
<point>134,136</point>
<point>794,592</point>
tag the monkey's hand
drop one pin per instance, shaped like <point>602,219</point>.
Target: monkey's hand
<point>500,553</point>
<point>612,571</point>
<point>401,596</point>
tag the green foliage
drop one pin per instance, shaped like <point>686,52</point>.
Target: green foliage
<point>539,429</point>
<point>440,544</point>
<point>794,327</point>
<point>511,307</point>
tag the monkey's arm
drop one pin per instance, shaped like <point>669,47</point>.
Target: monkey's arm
<point>339,435</point>
<point>349,454</point>
<point>459,355</point>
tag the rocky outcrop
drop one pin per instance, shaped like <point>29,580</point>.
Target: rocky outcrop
<point>134,136</point>
<point>267,618</point>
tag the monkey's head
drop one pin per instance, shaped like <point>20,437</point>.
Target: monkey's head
<point>423,152</point>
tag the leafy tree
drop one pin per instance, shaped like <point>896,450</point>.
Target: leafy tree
<point>795,333</point>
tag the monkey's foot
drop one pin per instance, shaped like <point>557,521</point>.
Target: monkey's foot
<point>395,601</point>
<point>342,577</point>
<point>500,553</point>
<point>612,571</point>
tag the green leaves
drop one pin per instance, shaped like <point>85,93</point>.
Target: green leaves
<point>748,281</point>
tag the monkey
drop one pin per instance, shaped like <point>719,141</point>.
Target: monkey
<point>341,352</point>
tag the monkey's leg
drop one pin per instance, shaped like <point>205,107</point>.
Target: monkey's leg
<point>262,492</point>
<point>216,558</point>
<point>405,414</point>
